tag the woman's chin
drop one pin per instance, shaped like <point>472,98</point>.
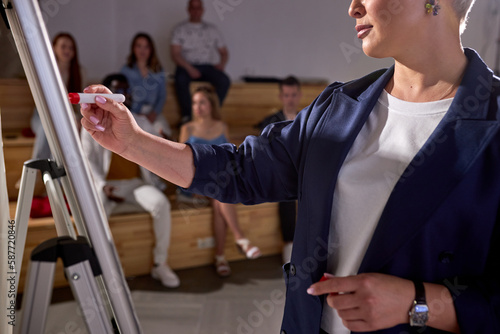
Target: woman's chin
<point>374,52</point>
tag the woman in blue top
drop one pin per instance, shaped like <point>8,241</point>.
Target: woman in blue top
<point>208,128</point>
<point>147,82</point>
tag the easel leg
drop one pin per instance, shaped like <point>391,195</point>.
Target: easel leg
<point>81,268</point>
<point>62,219</point>
<point>36,298</point>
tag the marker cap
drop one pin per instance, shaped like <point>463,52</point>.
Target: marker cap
<point>74,98</point>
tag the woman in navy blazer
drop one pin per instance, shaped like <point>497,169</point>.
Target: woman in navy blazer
<point>439,226</point>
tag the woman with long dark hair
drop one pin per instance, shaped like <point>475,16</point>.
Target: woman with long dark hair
<point>65,50</point>
<point>66,53</point>
<point>147,81</point>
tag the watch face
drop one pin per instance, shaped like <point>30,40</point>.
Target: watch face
<point>419,315</point>
<point>420,308</point>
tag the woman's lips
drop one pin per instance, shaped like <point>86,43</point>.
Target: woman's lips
<point>363,29</point>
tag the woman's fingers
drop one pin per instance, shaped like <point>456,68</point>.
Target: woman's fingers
<point>118,110</point>
<point>110,123</point>
<point>92,117</point>
<point>103,112</point>
<point>97,89</point>
<point>91,127</point>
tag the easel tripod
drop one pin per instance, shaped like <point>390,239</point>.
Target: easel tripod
<point>32,42</point>
<point>81,265</point>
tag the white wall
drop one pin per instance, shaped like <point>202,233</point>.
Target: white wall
<point>265,38</point>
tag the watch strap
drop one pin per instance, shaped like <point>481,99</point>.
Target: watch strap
<point>419,292</point>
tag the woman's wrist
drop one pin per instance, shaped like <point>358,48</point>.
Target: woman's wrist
<point>442,313</point>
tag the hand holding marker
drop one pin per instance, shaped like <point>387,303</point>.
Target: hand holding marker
<point>79,98</point>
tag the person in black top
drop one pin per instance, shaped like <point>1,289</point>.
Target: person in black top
<point>290,95</point>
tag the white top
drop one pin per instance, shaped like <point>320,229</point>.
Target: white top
<point>393,134</point>
<point>199,41</point>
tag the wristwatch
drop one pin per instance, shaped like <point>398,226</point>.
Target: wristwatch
<point>419,312</point>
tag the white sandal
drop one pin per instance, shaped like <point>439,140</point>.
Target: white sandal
<point>222,266</point>
<point>251,252</point>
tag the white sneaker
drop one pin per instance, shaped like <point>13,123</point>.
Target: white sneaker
<point>167,277</point>
<point>287,252</point>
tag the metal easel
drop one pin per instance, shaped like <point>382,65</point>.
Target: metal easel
<point>81,265</point>
<point>92,237</point>
<point>7,309</point>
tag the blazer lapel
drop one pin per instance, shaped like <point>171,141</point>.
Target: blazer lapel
<point>342,120</point>
<point>433,173</point>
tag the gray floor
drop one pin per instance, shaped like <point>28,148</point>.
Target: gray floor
<point>249,301</point>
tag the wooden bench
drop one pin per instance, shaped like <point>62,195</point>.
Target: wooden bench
<point>190,239</point>
<point>245,105</point>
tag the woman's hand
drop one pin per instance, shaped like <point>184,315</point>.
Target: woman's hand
<point>220,66</point>
<point>110,123</point>
<point>152,117</point>
<point>193,73</point>
<point>109,192</point>
<point>367,302</point>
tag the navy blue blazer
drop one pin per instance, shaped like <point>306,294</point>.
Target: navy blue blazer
<point>441,223</point>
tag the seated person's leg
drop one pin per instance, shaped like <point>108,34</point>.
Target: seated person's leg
<point>217,78</point>
<point>221,265</point>
<point>157,204</point>
<point>182,81</point>
<point>162,126</point>
<point>230,216</point>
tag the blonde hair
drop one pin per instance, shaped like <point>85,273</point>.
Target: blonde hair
<point>209,93</point>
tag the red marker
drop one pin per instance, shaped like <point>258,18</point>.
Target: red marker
<point>326,278</point>
<point>323,278</point>
<point>76,98</point>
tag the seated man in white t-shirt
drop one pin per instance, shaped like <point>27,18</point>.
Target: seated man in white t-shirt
<point>199,51</point>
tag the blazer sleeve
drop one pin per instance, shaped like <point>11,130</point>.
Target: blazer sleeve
<point>262,169</point>
<point>266,168</point>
